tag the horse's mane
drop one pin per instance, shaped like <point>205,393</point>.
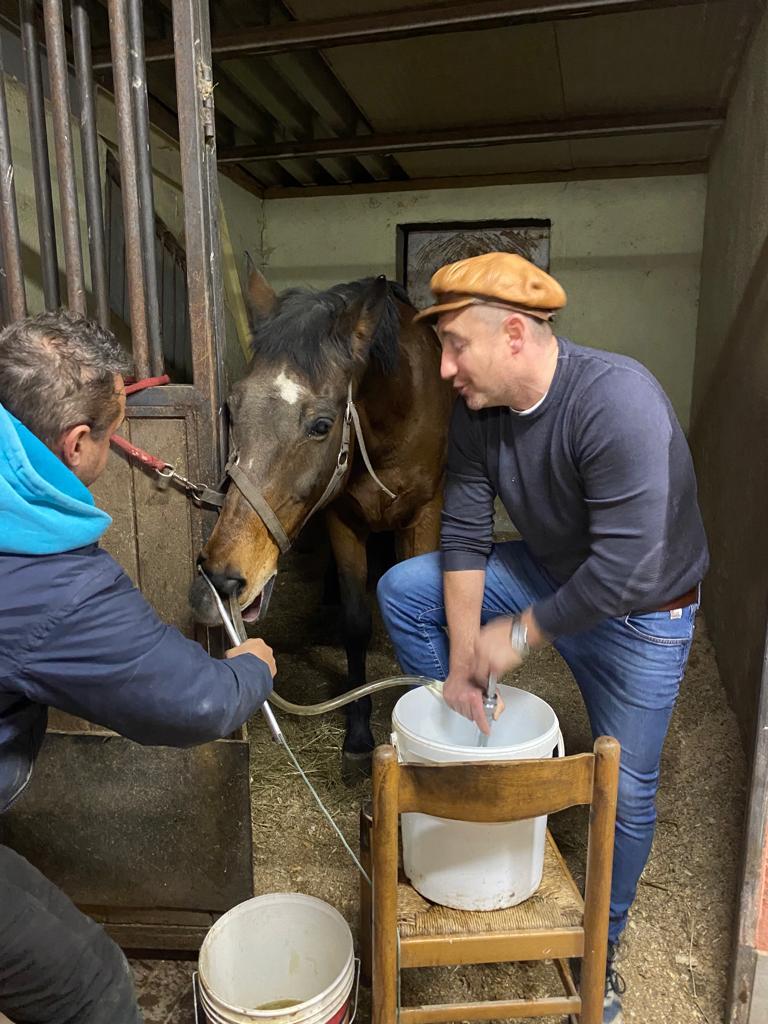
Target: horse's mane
<point>304,328</point>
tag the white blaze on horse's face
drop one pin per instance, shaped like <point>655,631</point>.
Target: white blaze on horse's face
<point>288,388</point>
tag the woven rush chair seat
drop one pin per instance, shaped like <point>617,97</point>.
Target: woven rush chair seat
<point>557,903</point>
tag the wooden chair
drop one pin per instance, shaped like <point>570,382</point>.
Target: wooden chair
<point>554,923</point>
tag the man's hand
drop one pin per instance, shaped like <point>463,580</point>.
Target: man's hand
<point>260,649</point>
<point>466,697</point>
<point>494,654</point>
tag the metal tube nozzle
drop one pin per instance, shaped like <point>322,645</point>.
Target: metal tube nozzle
<point>236,640</point>
<point>489,706</point>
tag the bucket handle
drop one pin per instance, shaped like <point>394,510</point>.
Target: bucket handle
<point>560,744</point>
<point>198,1018</point>
<point>358,965</point>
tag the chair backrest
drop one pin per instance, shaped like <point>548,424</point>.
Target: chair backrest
<point>497,791</point>
<point>493,791</point>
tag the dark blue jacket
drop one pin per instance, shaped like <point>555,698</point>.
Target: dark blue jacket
<point>75,633</point>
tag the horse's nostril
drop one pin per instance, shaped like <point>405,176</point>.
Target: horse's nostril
<point>226,583</point>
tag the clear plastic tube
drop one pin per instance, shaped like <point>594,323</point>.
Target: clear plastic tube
<point>352,695</point>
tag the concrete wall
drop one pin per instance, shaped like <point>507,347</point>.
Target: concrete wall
<point>730,401</point>
<point>627,251</point>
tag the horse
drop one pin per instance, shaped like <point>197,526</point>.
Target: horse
<point>342,409</point>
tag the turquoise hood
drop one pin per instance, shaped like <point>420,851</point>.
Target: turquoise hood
<point>44,508</point>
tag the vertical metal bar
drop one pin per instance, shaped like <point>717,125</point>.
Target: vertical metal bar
<point>118,34</point>
<point>41,168</point>
<point>5,308</point>
<point>197,143</point>
<point>144,182</point>
<point>81,38</point>
<point>9,221</point>
<point>65,157</point>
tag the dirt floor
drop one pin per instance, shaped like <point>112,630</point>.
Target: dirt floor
<point>677,945</point>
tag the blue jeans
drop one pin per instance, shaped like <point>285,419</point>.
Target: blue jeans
<point>628,670</point>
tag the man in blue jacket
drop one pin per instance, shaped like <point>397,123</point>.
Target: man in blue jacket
<point>75,634</point>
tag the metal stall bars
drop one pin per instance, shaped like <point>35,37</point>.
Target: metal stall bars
<point>65,156</point>
<point>153,842</point>
<point>81,41</point>
<point>38,134</point>
<point>13,300</point>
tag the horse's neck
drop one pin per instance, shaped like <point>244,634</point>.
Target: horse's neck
<point>382,395</point>
<point>389,403</point>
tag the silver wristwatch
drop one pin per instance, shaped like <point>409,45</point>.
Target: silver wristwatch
<point>518,637</point>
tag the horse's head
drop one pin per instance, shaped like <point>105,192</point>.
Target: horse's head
<point>287,426</point>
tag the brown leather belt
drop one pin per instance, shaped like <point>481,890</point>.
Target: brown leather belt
<point>689,597</point>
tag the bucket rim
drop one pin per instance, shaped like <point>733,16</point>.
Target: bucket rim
<point>554,729</point>
<point>265,899</point>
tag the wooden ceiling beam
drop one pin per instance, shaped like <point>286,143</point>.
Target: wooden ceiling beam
<point>493,135</point>
<point>486,180</point>
<point>388,25</point>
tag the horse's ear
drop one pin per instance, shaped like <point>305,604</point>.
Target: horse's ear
<point>363,316</point>
<point>261,296</point>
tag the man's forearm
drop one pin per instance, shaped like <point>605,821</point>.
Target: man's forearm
<point>463,592</point>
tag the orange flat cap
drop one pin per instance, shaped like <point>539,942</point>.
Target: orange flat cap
<point>498,278</point>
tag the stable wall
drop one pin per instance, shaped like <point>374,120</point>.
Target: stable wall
<point>730,421</point>
<point>627,252</point>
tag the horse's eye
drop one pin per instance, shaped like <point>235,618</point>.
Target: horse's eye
<point>320,427</point>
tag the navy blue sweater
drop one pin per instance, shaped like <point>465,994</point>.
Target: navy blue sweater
<point>598,480</point>
<point>75,633</point>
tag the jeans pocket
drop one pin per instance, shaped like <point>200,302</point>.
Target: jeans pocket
<point>661,628</point>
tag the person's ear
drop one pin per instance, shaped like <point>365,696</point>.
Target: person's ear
<point>69,446</point>
<point>514,330</point>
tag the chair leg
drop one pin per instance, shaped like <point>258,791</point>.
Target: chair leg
<point>384,855</point>
<point>366,902</point>
<point>592,988</point>
<point>385,983</point>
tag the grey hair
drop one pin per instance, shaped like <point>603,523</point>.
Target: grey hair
<point>497,314</point>
<point>57,370</point>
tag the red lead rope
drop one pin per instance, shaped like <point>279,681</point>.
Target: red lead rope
<point>150,461</point>
<point>201,494</point>
<point>148,382</point>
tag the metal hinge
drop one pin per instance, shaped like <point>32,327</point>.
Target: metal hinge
<point>206,86</point>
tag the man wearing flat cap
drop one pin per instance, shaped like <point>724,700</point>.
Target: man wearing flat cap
<point>585,452</point>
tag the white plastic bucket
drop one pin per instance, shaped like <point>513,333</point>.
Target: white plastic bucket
<point>470,865</point>
<point>283,946</point>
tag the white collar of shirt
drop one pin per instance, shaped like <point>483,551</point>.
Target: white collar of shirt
<point>533,408</point>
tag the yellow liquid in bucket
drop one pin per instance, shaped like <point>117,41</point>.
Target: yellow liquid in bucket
<point>278,1004</point>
